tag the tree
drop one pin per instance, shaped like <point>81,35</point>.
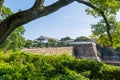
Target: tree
<point>38,10</point>
<point>103,11</point>
<point>15,40</point>
<point>1,4</point>
<point>82,38</point>
<point>28,44</point>
<point>40,44</point>
<point>99,31</point>
<point>65,38</point>
<point>52,42</point>
<point>63,44</point>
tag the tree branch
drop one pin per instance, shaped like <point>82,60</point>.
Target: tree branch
<point>103,15</point>
<point>1,3</point>
<point>23,17</point>
<point>108,28</point>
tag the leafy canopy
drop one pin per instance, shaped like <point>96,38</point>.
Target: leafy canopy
<point>99,31</point>
<point>108,6</point>
<point>82,38</point>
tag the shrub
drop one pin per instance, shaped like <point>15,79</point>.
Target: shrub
<point>26,66</point>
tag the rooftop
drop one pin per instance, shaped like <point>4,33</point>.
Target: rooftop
<point>82,43</point>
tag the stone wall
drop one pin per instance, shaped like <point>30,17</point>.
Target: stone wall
<point>79,50</point>
<point>86,50</point>
<point>46,51</point>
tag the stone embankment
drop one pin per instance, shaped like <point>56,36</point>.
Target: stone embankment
<point>47,51</point>
<point>78,49</point>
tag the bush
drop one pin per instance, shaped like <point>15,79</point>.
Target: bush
<point>24,66</point>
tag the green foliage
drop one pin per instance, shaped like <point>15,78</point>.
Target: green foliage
<point>50,43</point>
<point>63,44</point>
<point>104,9</point>
<point>108,6</point>
<point>65,38</point>
<point>82,38</point>
<point>26,66</point>
<point>15,40</point>
<point>28,44</point>
<point>41,45</point>
<point>99,31</point>
<point>6,12</point>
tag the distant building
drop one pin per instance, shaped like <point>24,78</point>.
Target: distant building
<point>44,39</point>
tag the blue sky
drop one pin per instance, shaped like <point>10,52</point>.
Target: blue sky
<point>69,21</point>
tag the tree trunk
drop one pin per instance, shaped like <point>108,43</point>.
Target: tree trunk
<point>1,3</point>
